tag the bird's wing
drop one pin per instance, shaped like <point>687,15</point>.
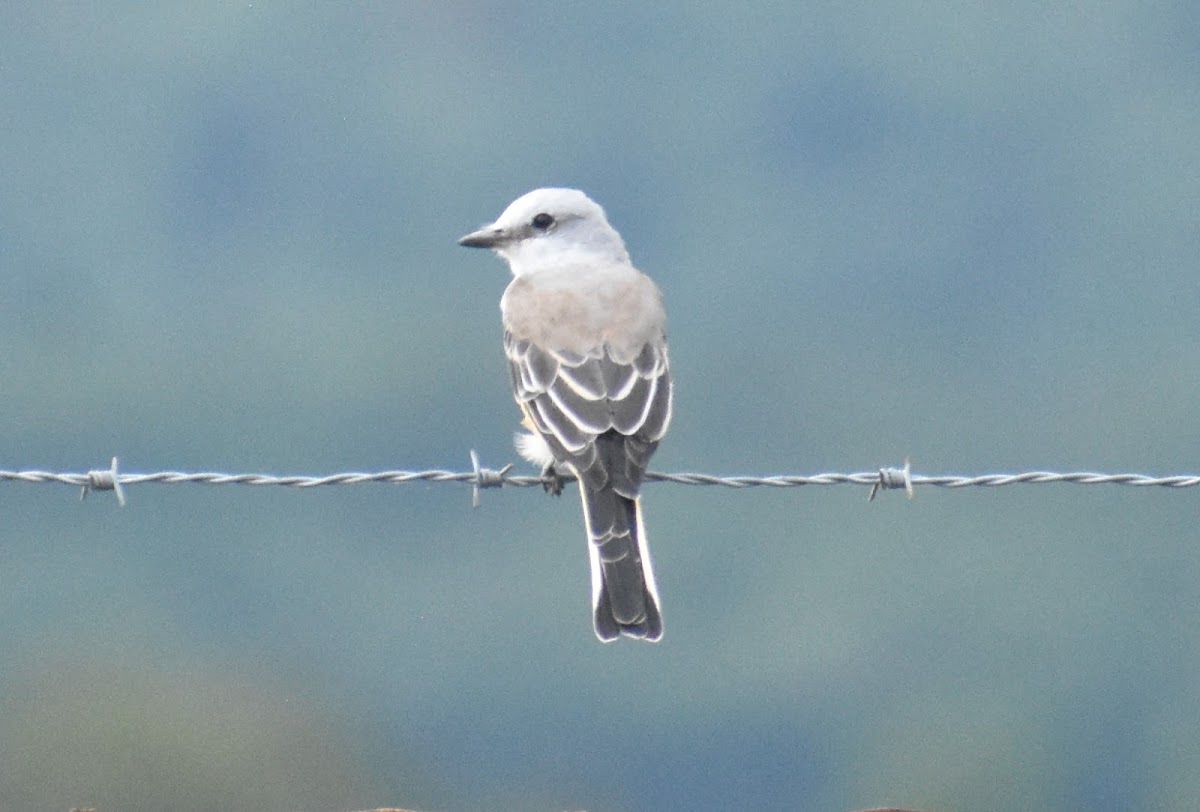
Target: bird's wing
<point>572,398</point>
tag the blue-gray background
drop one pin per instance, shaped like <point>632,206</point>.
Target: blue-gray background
<point>961,232</point>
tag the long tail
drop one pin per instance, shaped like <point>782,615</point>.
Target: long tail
<point>624,595</point>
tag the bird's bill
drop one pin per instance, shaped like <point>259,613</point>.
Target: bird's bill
<point>488,237</point>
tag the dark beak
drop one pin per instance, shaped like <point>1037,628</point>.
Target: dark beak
<point>488,237</point>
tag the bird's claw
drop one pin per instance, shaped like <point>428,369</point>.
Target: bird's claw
<point>552,480</point>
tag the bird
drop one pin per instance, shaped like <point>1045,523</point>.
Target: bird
<point>585,335</point>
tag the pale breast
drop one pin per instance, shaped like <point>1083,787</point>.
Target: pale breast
<point>583,311</point>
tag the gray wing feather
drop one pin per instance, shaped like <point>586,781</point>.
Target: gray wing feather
<point>618,378</point>
<point>658,415</point>
<point>577,397</point>
<point>538,369</point>
<point>585,380</point>
<point>588,415</point>
<point>629,415</point>
<point>563,426</point>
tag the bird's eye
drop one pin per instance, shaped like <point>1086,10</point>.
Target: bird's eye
<point>543,221</point>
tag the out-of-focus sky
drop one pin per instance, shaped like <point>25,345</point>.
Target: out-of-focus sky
<point>962,233</point>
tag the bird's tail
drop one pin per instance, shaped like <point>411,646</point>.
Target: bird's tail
<point>624,595</point>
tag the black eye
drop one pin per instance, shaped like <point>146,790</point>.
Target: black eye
<point>543,221</point>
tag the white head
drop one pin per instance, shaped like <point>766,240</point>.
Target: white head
<point>548,227</point>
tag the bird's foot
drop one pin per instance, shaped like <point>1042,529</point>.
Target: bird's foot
<point>552,480</point>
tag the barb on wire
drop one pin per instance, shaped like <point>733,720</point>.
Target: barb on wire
<point>485,478</point>
<point>480,477</point>
<point>109,480</point>
<point>894,478</point>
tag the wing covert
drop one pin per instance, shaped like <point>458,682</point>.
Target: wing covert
<point>574,397</point>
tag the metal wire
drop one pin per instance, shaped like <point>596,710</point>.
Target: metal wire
<point>480,478</point>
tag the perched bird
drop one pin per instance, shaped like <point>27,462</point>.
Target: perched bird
<point>586,341</point>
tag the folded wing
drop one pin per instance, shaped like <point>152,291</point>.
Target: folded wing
<point>574,398</point>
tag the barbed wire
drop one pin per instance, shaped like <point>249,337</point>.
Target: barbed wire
<point>479,478</point>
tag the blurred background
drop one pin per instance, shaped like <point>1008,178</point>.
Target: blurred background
<point>962,233</point>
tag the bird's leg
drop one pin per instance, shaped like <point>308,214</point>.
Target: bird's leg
<point>552,479</point>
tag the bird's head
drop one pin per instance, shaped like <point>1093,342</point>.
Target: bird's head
<point>550,226</point>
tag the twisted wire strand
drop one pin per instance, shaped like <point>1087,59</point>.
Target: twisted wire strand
<point>480,478</point>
